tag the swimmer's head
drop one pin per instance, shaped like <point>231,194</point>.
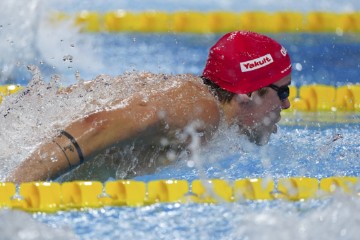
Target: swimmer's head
<point>243,62</point>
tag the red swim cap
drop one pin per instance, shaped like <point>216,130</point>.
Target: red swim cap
<point>242,62</point>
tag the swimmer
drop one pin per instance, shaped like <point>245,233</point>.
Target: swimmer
<point>245,83</point>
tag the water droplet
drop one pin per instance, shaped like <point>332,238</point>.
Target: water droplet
<point>190,164</point>
<point>339,32</point>
<point>298,66</point>
<point>171,156</point>
<point>68,58</point>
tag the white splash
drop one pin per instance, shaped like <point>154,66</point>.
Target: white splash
<point>28,36</point>
<point>43,108</point>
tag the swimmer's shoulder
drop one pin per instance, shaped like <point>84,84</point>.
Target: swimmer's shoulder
<point>204,104</point>
<point>195,86</point>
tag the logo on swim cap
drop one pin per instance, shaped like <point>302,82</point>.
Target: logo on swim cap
<point>256,63</point>
<point>283,51</point>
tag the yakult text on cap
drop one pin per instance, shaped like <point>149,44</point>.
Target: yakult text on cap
<point>256,63</point>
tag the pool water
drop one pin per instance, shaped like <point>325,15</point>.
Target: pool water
<point>303,148</point>
<point>312,55</point>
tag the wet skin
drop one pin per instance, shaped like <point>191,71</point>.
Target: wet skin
<point>187,103</point>
<point>257,115</point>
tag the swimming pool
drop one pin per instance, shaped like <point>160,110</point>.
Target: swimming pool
<point>309,148</point>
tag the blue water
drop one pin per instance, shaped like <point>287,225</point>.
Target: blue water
<point>312,56</point>
<point>303,148</point>
<point>172,53</point>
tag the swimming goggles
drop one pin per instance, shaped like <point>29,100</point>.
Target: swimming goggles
<point>283,92</point>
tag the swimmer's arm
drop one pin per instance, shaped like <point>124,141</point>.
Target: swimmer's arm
<point>103,129</point>
<point>83,139</point>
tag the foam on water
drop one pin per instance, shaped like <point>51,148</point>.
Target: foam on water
<point>41,110</point>
<point>294,151</point>
<point>31,116</point>
<point>27,36</point>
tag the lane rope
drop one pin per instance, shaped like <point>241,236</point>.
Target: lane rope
<point>77,195</point>
<point>212,22</point>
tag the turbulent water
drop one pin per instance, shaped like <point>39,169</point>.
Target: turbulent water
<point>38,112</point>
<point>28,37</point>
<point>54,56</point>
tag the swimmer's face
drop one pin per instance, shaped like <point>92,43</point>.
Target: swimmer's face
<point>261,112</point>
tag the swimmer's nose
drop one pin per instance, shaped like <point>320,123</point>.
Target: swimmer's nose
<point>285,104</point>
